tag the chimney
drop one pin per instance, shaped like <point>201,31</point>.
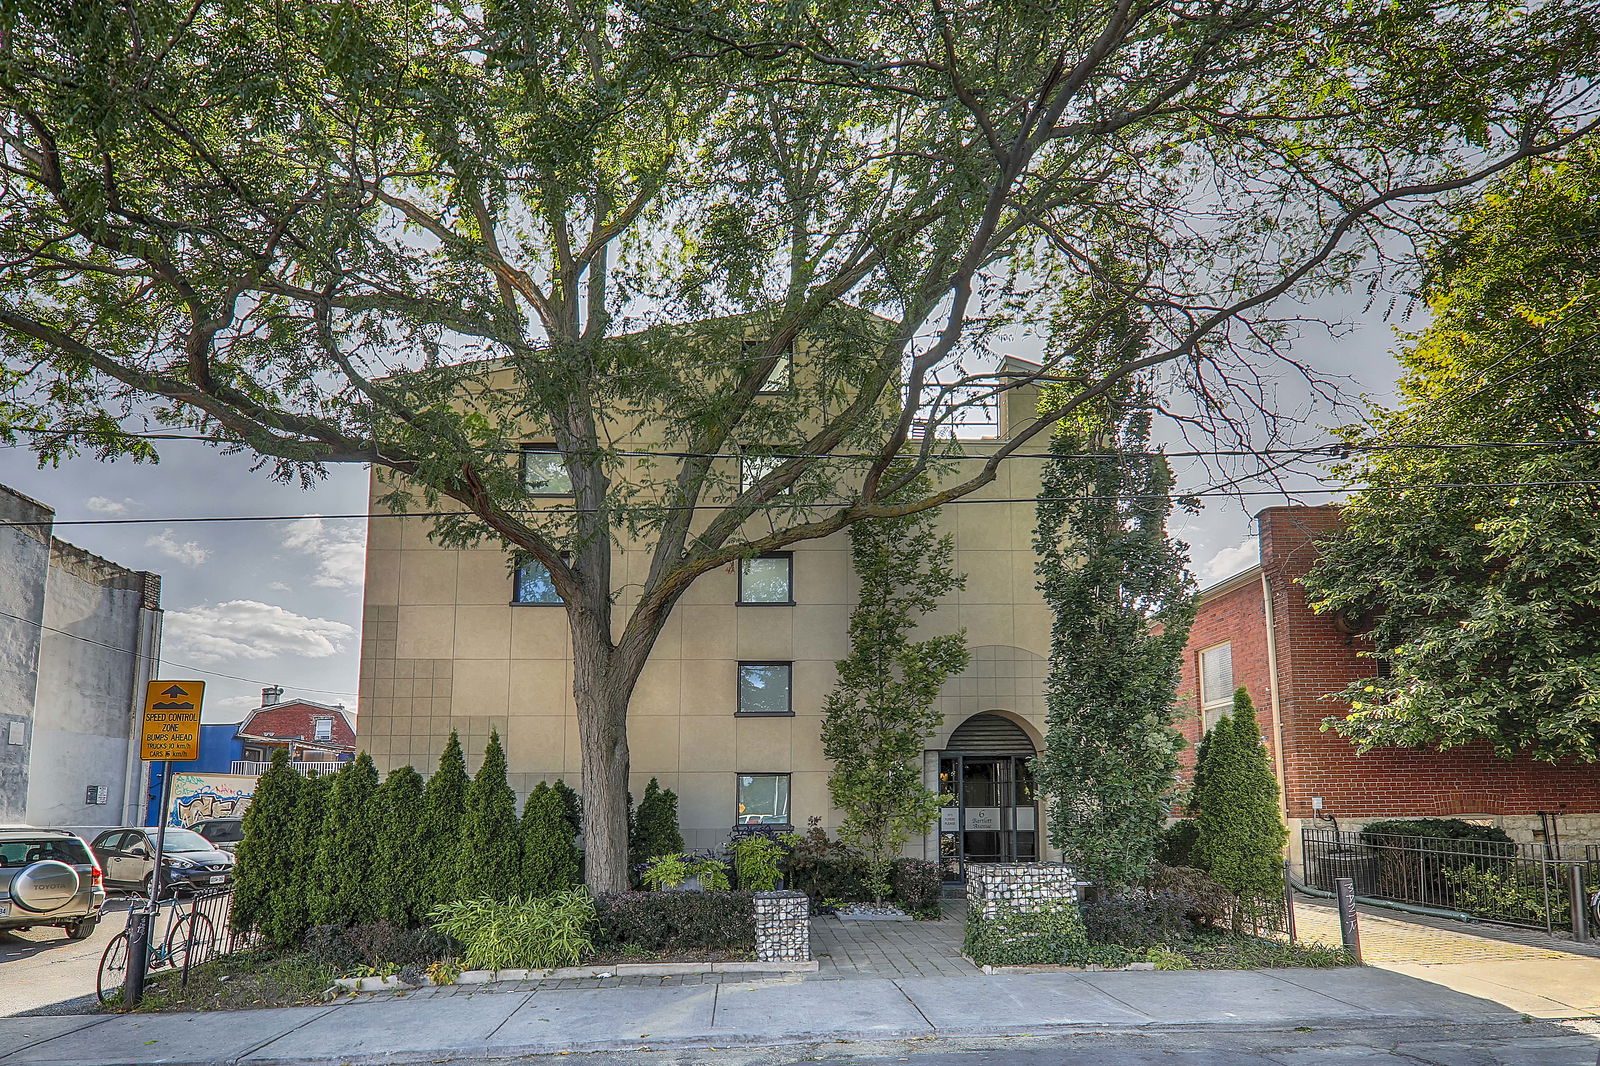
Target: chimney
<point>270,695</point>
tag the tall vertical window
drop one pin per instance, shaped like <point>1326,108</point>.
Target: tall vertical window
<point>764,688</point>
<point>763,799</point>
<point>534,584</point>
<point>1216,683</point>
<point>543,472</point>
<point>767,579</point>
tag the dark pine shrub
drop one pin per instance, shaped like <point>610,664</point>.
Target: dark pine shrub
<point>1175,846</point>
<point>916,884</point>
<point>665,922</point>
<point>1429,859</point>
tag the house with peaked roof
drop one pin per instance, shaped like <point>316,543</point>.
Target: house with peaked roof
<point>317,736</point>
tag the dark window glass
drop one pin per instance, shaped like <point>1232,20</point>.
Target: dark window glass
<point>27,852</point>
<point>764,799</point>
<point>764,688</point>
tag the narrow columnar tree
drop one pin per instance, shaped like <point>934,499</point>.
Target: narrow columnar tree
<point>343,871</point>
<point>266,852</point>
<point>655,824</point>
<point>1241,830</point>
<point>571,804</point>
<point>291,912</point>
<point>443,801</point>
<point>489,851</point>
<point>1122,601</point>
<point>549,854</point>
<point>398,849</point>
<point>879,715</point>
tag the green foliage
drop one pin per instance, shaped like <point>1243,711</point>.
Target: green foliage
<point>1477,568</point>
<point>1121,600</point>
<point>657,922</point>
<point>1434,829</point>
<point>572,805</point>
<point>291,917</point>
<point>444,800</point>
<point>662,872</point>
<point>1510,892</point>
<point>345,870</point>
<point>712,873</point>
<point>1175,846</point>
<point>756,859</point>
<point>877,719</point>
<point>824,869</point>
<point>489,849</point>
<point>655,825</point>
<point>549,852</point>
<point>267,851</point>
<point>1048,936</point>
<point>918,885</point>
<point>398,859</point>
<point>377,945</point>
<point>1242,835</point>
<point>520,933</point>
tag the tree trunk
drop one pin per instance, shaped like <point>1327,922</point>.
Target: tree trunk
<point>602,699</point>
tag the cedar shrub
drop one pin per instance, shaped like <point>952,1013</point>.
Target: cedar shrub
<point>266,852</point>
<point>443,801</point>
<point>489,852</point>
<point>549,850</point>
<point>399,858</point>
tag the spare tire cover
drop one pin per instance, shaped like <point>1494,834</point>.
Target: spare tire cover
<point>44,886</point>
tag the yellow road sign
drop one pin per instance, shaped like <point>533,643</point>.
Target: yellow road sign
<point>171,720</point>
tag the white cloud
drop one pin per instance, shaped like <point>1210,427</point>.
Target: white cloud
<point>340,549</point>
<point>189,552</point>
<point>1230,561</point>
<point>112,508</point>
<point>278,586</point>
<point>247,629</point>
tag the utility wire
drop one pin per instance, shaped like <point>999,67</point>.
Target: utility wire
<point>160,659</point>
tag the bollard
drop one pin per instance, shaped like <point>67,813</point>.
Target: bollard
<point>1345,887</point>
<point>138,959</point>
<point>1578,898</point>
<point>1288,901</point>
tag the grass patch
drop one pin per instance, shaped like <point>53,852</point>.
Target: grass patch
<point>242,981</point>
<point>1210,950</point>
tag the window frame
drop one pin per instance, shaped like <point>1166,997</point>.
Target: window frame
<point>545,449</point>
<point>788,557</point>
<point>1211,710</point>
<point>316,732</point>
<point>786,361</point>
<point>738,690</point>
<point>516,587</point>
<point>788,795</point>
<point>746,482</point>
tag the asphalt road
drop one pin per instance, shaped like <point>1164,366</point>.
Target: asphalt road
<point>42,971</point>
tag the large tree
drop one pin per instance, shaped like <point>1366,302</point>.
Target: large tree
<point>1472,555</point>
<point>1121,600</point>
<point>419,236</point>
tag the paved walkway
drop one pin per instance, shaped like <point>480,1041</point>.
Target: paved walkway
<point>892,949</point>
<point>490,1024</point>
<point>1525,971</point>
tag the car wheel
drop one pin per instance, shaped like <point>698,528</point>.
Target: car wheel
<point>82,930</point>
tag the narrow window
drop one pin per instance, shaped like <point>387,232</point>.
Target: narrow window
<point>764,688</point>
<point>1216,683</point>
<point>534,584</point>
<point>543,471</point>
<point>763,799</point>
<point>780,378</point>
<point>767,579</point>
<point>322,729</point>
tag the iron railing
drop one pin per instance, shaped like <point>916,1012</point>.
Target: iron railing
<point>306,769</point>
<point>1496,881</point>
<point>205,922</point>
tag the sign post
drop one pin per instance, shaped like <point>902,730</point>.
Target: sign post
<point>169,732</point>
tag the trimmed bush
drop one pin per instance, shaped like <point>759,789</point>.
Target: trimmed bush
<point>916,885</point>
<point>1051,936</point>
<point>292,915</point>
<point>1436,829</point>
<point>489,850</point>
<point>656,922</point>
<point>443,801</point>
<point>397,884</point>
<point>825,869</point>
<point>267,852</point>
<point>549,854</point>
<point>1137,918</point>
<point>1241,831</point>
<point>655,825</point>
<point>1205,902</point>
<point>1177,843</point>
<point>343,875</point>
<point>519,933</point>
<point>572,803</point>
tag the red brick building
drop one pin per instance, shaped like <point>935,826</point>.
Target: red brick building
<point>312,732</point>
<point>1255,629</point>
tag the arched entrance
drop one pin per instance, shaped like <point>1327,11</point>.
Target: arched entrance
<point>993,813</point>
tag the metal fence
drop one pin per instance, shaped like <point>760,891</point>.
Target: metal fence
<point>204,930</point>
<point>1516,884</point>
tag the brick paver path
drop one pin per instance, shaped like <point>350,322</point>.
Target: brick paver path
<point>892,949</point>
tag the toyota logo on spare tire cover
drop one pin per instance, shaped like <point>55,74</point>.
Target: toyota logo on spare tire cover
<point>44,886</point>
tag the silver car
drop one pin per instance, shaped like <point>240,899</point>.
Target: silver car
<point>49,877</point>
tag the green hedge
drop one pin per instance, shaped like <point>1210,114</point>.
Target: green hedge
<point>1051,936</point>
<point>675,921</point>
<point>1436,829</point>
<point>917,884</point>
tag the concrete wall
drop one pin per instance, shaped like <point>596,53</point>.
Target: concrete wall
<point>24,565</point>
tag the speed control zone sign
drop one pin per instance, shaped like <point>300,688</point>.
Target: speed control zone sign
<point>171,721</point>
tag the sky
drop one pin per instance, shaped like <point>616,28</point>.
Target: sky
<point>279,603</point>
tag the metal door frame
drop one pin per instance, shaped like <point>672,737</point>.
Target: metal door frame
<point>1006,786</point>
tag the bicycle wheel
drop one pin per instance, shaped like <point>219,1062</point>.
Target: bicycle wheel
<point>113,969</point>
<point>190,941</point>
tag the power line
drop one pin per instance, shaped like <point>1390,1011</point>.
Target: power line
<point>156,658</point>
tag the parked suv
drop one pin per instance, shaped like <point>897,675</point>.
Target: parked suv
<point>49,877</point>
<point>225,833</point>
<point>129,859</point>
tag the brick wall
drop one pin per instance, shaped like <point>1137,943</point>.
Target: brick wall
<point>1315,658</point>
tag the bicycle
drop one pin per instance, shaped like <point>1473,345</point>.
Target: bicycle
<point>189,939</point>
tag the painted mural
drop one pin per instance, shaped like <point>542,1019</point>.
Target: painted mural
<point>197,797</point>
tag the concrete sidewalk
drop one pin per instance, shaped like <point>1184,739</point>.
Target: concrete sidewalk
<point>498,1025</point>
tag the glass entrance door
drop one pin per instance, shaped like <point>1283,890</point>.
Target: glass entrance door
<point>993,812</point>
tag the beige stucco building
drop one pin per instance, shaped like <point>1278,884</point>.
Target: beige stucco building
<point>728,709</point>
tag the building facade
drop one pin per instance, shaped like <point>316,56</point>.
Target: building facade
<point>79,637</point>
<point>317,736</point>
<point>728,710</point>
<point>1257,630</point>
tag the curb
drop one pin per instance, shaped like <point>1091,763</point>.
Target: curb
<point>566,973</point>
<point>991,971</point>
